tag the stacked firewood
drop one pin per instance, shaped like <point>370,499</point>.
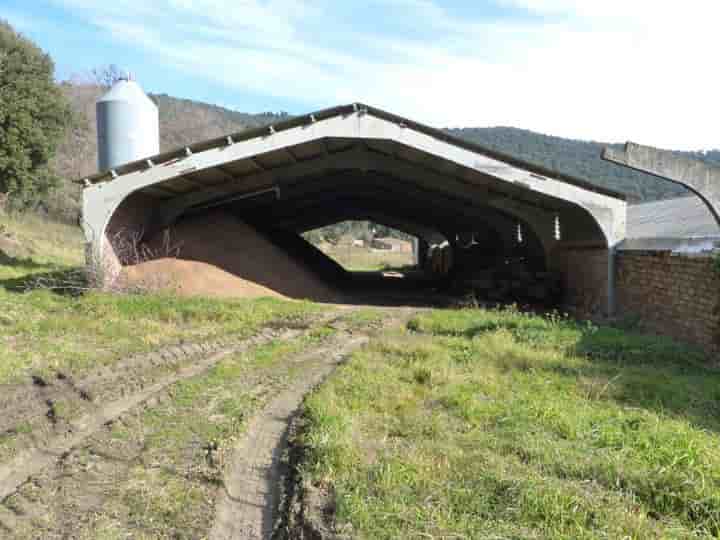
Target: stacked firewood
<point>510,280</point>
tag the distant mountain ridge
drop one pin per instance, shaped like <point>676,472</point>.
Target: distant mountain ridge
<point>580,159</point>
<point>184,121</point>
<point>573,157</point>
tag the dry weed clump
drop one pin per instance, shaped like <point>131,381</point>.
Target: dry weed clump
<point>129,248</point>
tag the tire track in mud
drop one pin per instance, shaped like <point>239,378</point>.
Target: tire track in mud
<point>60,489</point>
<point>17,471</point>
<point>246,509</point>
<point>248,505</point>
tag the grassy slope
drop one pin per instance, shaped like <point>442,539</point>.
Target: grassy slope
<point>473,423</point>
<point>477,424</point>
<point>42,330</point>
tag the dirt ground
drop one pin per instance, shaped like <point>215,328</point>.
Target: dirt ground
<point>247,505</point>
<point>169,444</point>
<point>183,443</point>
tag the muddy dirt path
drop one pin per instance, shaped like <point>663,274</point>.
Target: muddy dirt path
<point>28,463</point>
<point>53,463</point>
<point>41,413</point>
<point>138,467</point>
<point>248,505</point>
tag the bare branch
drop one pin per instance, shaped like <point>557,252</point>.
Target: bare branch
<point>130,250</point>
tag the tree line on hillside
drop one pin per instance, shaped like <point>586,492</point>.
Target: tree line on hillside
<point>360,230</point>
<point>581,159</point>
<point>48,135</point>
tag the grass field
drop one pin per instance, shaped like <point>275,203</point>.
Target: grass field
<point>466,424</point>
<point>496,424</point>
<point>42,330</point>
<point>359,259</point>
<point>49,245</point>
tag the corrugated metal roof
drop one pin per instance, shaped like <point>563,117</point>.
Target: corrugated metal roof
<point>683,217</point>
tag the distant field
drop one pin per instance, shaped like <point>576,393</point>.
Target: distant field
<point>359,259</point>
<point>484,424</point>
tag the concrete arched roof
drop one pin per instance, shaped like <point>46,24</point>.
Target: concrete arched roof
<point>349,141</point>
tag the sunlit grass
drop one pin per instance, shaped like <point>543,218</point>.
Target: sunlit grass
<point>48,243</point>
<point>497,424</point>
<point>42,330</point>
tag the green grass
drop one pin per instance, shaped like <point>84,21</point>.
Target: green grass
<point>49,245</point>
<point>497,424</point>
<point>42,330</point>
<point>222,394</point>
<point>183,443</point>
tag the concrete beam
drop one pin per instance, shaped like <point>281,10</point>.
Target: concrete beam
<point>170,211</point>
<point>403,172</point>
<point>698,177</point>
<point>286,178</point>
<point>463,203</point>
<point>448,213</point>
<point>697,245</point>
<point>357,159</point>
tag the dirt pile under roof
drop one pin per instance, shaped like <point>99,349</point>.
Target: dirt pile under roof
<point>220,256</point>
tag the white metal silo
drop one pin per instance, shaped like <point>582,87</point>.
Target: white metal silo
<point>128,125</point>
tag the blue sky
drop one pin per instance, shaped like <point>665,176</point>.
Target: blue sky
<point>610,70</point>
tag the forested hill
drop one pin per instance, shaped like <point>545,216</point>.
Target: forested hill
<point>579,158</point>
<point>184,121</point>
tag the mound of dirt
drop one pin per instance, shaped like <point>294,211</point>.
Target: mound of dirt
<point>192,278</point>
<point>220,256</point>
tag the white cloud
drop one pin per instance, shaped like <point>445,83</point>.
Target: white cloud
<point>599,69</point>
<point>636,10</point>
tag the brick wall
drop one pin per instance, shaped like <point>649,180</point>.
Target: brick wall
<point>674,295</point>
